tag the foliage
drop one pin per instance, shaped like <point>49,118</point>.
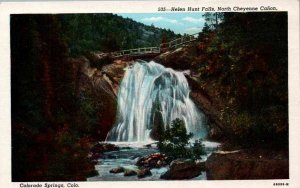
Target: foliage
<point>198,149</point>
<point>49,123</point>
<point>243,66</point>
<point>108,32</point>
<point>212,20</point>
<point>174,142</point>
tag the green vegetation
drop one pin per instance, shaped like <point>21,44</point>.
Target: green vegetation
<point>243,66</point>
<point>174,142</point>
<point>51,127</point>
<point>108,32</point>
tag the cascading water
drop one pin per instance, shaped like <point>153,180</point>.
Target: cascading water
<point>148,89</point>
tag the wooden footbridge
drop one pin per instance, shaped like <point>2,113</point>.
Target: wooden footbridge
<point>146,51</point>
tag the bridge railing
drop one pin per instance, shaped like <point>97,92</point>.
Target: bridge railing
<point>156,50</point>
<point>179,41</point>
<point>136,51</point>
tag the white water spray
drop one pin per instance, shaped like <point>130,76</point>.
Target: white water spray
<point>143,87</point>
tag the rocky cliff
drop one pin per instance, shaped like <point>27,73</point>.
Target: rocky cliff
<point>103,77</point>
<point>101,85</point>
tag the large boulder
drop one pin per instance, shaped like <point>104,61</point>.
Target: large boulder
<point>247,165</point>
<point>182,169</point>
<point>179,59</point>
<point>117,170</point>
<point>104,147</point>
<point>130,172</point>
<point>98,149</point>
<point>143,172</point>
<point>155,160</point>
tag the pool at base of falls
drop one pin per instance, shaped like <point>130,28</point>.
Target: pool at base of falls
<point>128,155</point>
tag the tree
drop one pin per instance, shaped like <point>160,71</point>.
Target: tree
<point>110,44</point>
<point>164,44</point>
<point>174,142</point>
<point>213,19</point>
<point>49,139</point>
<point>246,57</point>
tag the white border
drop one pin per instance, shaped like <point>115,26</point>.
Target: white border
<point>7,8</point>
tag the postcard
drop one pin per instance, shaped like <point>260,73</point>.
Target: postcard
<point>150,93</point>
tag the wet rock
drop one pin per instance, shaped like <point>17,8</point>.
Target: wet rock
<point>117,170</point>
<point>158,125</point>
<point>144,172</point>
<point>201,165</point>
<point>104,147</point>
<point>182,169</point>
<point>159,163</point>
<point>155,160</point>
<point>129,172</point>
<point>136,160</point>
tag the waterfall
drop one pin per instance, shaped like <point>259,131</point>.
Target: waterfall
<point>149,91</point>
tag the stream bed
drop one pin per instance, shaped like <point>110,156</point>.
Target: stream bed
<point>128,155</point>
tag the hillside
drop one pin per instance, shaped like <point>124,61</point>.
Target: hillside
<point>108,32</point>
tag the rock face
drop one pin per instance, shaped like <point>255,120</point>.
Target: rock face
<point>247,165</point>
<point>210,106</point>
<point>182,169</point>
<point>117,170</point>
<point>99,80</point>
<point>179,59</point>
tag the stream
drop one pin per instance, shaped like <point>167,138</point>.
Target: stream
<point>128,155</point>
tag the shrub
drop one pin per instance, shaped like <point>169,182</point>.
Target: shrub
<point>174,142</point>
